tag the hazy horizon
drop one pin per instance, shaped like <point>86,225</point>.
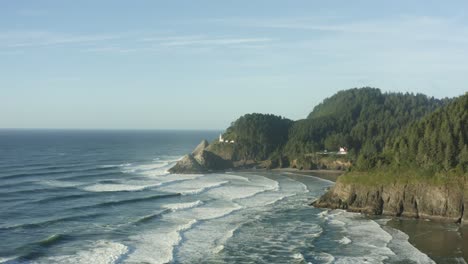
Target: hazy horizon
<point>115,65</point>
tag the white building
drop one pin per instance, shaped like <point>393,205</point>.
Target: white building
<point>222,140</point>
<point>343,151</point>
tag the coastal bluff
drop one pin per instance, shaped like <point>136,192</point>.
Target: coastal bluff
<point>443,202</point>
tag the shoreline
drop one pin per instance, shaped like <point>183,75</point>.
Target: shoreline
<point>442,241</point>
<point>329,175</point>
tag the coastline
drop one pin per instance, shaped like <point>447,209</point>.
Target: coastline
<point>443,242</point>
<point>329,175</point>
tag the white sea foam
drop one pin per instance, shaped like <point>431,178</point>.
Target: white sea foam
<point>106,166</point>
<point>101,251</point>
<point>203,189</point>
<point>255,185</point>
<point>292,186</point>
<point>323,214</point>
<point>147,167</point>
<point>344,241</point>
<point>233,192</point>
<point>361,230</point>
<point>405,251</point>
<point>360,259</point>
<point>460,260</point>
<point>59,183</point>
<point>196,186</point>
<point>222,241</point>
<point>157,246</point>
<point>169,158</point>
<point>337,222</point>
<point>173,178</point>
<point>264,182</point>
<point>325,258</point>
<point>138,185</point>
<point>117,187</point>
<point>180,206</point>
<point>263,199</point>
<point>275,193</point>
<point>206,239</point>
<point>231,176</point>
<point>6,259</point>
<point>366,235</point>
<point>215,209</point>
<point>157,168</point>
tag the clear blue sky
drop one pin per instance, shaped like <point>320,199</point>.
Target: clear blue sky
<point>201,64</point>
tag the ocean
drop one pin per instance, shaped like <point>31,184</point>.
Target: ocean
<point>106,197</point>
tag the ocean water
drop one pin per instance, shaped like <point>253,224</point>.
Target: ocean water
<point>106,197</point>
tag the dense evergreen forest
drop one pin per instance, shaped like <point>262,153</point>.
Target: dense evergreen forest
<point>437,143</point>
<point>359,119</point>
<point>379,129</point>
<point>258,136</point>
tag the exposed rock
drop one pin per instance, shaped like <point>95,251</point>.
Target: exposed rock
<point>419,200</point>
<point>188,164</point>
<point>202,146</point>
<point>211,161</point>
<point>201,161</point>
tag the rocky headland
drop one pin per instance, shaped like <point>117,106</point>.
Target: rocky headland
<point>201,160</point>
<point>444,202</point>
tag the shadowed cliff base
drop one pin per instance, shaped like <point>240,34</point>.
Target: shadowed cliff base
<point>436,199</point>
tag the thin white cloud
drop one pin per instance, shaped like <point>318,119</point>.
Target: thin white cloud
<point>389,25</point>
<point>32,39</point>
<point>216,42</point>
<point>158,39</point>
<point>412,26</point>
<point>111,50</point>
<point>119,42</point>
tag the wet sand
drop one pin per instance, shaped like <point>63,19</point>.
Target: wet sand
<point>330,175</point>
<point>442,242</point>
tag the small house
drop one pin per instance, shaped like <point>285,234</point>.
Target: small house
<point>342,151</point>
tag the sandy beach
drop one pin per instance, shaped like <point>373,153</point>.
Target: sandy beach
<point>442,242</point>
<point>330,175</point>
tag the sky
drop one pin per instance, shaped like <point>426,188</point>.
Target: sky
<point>114,64</point>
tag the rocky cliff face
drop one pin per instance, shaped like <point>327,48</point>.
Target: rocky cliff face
<point>420,200</point>
<point>201,160</point>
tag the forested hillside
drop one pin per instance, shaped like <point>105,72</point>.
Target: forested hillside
<point>258,136</point>
<point>359,119</point>
<point>436,143</point>
<point>422,171</point>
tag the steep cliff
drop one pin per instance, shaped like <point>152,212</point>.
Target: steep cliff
<point>412,199</point>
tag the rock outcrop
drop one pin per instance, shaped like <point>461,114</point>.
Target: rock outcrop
<point>200,161</point>
<point>187,165</point>
<point>419,200</point>
<point>202,146</point>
